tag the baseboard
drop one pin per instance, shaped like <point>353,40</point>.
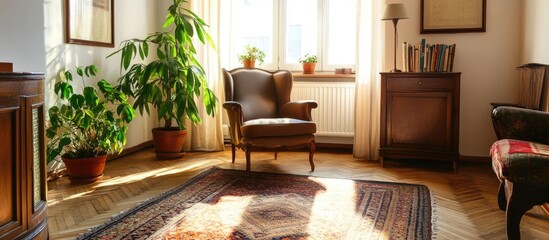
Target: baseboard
<point>475,159</point>
<point>55,174</point>
<point>334,146</point>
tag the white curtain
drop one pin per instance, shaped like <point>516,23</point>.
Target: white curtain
<point>367,112</point>
<point>208,136</point>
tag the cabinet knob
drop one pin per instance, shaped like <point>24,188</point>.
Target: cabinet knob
<point>420,82</point>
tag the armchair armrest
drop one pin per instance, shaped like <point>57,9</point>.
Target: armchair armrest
<point>236,118</point>
<point>298,109</point>
<point>521,124</point>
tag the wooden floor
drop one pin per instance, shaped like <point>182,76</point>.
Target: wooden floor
<point>465,203</point>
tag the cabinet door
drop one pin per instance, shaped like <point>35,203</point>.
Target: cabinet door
<point>11,189</point>
<point>36,164</point>
<point>419,120</point>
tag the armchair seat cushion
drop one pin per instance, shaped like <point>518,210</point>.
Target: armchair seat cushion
<point>521,162</point>
<point>276,127</point>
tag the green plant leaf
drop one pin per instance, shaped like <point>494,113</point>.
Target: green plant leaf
<point>68,76</point>
<point>160,53</point>
<point>91,97</point>
<point>79,71</point>
<point>188,28</point>
<point>179,33</point>
<point>77,101</point>
<point>168,21</point>
<point>199,32</point>
<point>64,90</point>
<point>105,87</point>
<point>146,48</point>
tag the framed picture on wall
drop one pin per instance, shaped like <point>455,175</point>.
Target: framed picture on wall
<point>89,22</point>
<point>453,16</point>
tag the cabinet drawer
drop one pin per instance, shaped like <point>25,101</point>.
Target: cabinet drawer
<point>419,83</point>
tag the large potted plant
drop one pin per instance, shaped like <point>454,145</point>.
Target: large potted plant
<point>173,82</point>
<point>84,128</point>
<point>250,56</point>
<point>309,62</point>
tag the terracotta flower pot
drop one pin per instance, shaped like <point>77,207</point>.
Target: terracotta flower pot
<point>85,170</point>
<point>250,63</point>
<point>309,68</point>
<point>168,143</point>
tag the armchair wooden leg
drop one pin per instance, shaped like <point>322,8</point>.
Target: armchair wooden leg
<point>312,148</point>
<point>520,198</point>
<point>276,155</point>
<point>233,149</point>
<point>248,150</point>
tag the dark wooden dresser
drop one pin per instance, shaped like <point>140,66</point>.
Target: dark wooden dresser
<point>23,205</point>
<point>420,116</point>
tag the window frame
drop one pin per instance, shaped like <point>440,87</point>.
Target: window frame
<point>279,43</point>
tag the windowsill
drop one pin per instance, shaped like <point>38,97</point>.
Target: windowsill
<point>323,76</point>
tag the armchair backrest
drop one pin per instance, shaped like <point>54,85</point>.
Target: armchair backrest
<point>260,92</point>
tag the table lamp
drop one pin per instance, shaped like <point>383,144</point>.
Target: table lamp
<point>394,11</point>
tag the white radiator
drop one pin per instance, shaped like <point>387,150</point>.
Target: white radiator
<point>334,117</point>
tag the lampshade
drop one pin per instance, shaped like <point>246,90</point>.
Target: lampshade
<point>394,11</point>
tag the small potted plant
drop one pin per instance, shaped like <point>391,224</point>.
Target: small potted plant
<point>83,128</point>
<point>309,62</point>
<point>251,55</point>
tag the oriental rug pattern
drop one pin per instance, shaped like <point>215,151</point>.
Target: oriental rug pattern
<point>231,204</point>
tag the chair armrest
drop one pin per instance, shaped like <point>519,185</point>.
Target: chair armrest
<point>521,124</point>
<point>236,118</point>
<point>298,109</point>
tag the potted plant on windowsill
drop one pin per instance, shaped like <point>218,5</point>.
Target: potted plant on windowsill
<point>83,128</point>
<point>251,55</point>
<point>173,82</point>
<point>309,62</point>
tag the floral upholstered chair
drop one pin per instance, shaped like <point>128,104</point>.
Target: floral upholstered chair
<point>520,159</point>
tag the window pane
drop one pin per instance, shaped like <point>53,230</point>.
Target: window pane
<point>341,32</point>
<point>301,29</point>
<point>252,23</point>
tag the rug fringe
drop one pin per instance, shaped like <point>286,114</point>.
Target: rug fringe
<point>434,216</point>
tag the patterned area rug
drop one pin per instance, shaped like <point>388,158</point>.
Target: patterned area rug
<point>231,204</point>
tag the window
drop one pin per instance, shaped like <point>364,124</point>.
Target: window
<point>288,29</point>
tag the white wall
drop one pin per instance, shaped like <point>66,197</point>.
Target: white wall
<point>22,35</point>
<point>133,19</point>
<point>535,42</point>
<point>486,60</point>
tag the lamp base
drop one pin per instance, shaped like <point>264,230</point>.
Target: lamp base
<point>395,70</point>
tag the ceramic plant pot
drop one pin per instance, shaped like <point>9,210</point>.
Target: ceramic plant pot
<point>168,143</point>
<point>249,63</point>
<point>85,170</point>
<point>309,68</point>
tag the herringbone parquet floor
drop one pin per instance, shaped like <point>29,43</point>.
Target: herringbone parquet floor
<point>465,203</point>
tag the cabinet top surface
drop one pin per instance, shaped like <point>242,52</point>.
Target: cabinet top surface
<point>20,75</point>
<point>421,73</point>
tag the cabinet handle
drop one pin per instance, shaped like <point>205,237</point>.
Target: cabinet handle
<point>420,82</point>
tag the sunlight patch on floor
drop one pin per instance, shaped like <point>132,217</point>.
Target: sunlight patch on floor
<point>73,196</point>
<point>149,174</point>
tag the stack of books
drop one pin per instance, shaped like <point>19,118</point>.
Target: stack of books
<point>428,57</point>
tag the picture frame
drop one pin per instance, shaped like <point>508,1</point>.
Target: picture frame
<point>452,16</point>
<point>89,22</point>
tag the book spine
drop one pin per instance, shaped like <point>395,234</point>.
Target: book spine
<point>421,54</point>
<point>403,57</point>
<point>452,54</point>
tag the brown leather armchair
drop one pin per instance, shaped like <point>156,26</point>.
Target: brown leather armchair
<point>261,115</point>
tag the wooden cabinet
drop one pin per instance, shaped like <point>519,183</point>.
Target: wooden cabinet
<point>420,116</point>
<point>23,205</point>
